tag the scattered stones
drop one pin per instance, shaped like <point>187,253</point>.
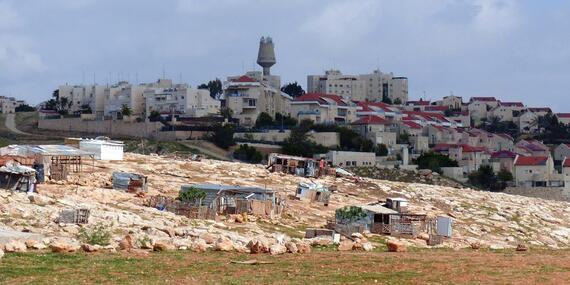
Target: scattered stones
<point>394,246</point>
<point>258,246</point>
<point>291,247</point>
<point>199,245</point>
<point>15,246</point>
<point>224,244</point>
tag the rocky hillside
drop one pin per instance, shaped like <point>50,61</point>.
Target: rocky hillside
<point>490,219</point>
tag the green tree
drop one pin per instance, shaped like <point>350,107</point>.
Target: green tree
<point>397,101</point>
<point>226,112</point>
<point>192,195</point>
<point>126,110</point>
<point>214,86</point>
<point>293,89</point>
<point>154,116</point>
<point>286,120</point>
<point>223,136</point>
<point>381,150</point>
<point>248,153</point>
<point>25,108</point>
<point>435,161</point>
<point>485,178</point>
<point>387,100</point>
<point>264,120</point>
<point>299,143</point>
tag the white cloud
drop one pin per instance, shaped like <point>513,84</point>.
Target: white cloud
<point>496,17</point>
<point>9,18</point>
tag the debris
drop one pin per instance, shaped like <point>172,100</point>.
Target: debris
<point>78,216</point>
<point>130,182</point>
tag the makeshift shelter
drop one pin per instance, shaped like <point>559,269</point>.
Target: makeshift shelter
<point>300,166</point>
<point>130,182</point>
<point>227,199</point>
<point>56,161</point>
<point>103,149</point>
<point>16,177</point>
<point>313,192</point>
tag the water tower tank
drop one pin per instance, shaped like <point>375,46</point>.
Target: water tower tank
<point>266,55</point>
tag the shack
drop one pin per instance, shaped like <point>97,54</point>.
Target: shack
<point>130,182</point>
<point>103,148</point>
<point>227,199</point>
<point>16,177</point>
<point>313,192</point>
<point>56,161</point>
<point>300,166</point>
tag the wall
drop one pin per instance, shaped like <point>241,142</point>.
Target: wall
<point>109,128</point>
<point>328,139</point>
<point>558,193</point>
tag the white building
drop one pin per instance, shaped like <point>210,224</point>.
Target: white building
<point>181,100</point>
<point>103,149</point>
<point>375,86</point>
<point>8,105</point>
<point>351,158</point>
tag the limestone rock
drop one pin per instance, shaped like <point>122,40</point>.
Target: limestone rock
<point>1,254</point>
<point>277,249</point>
<point>258,246</point>
<point>303,247</point>
<point>15,246</point>
<point>126,243</point>
<point>89,248</point>
<point>291,247</point>
<point>199,245</point>
<point>394,246</point>
<point>208,238</point>
<point>61,247</point>
<point>345,245</point>
<point>224,244</point>
<point>34,244</point>
<point>163,245</point>
<point>367,246</point>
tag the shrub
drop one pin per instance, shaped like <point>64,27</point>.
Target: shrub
<point>350,214</point>
<point>435,161</point>
<point>248,153</point>
<point>99,234</point>
<point>223,136</point>
<point>192,195</point>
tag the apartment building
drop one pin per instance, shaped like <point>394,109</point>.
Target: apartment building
<point>561,152</point>
<point>8,105</point>
<point>324,108</point>
<point>536,171</point>
<point>479,106</point>
<point>248,97</point>
<point>375,86</point>
<point>181,100</point>
<point>505,111</point>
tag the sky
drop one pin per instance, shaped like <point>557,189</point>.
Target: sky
<point>513,50</point>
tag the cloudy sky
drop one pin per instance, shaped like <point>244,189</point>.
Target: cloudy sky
<point>515,50</point>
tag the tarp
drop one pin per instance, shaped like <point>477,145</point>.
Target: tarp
<point>15,168</point>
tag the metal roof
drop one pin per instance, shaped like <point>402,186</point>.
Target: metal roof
<point>377,208</point>
<point>47,150</point>
<point>229,188</point>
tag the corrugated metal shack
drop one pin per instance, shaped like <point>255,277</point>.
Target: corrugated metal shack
<point>56,161</point>
<point>130,182</point>
<point>300,166</point>
<point>313,192</point>
<point>16,177</point>
<point>227,199</point>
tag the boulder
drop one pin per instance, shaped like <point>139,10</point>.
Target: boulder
<point>522,247</point>
<point>277,249</point>
<point>61,247</point>
<point>224,244</point>
<point>291,247</point>
<point>345,245</point>
<point>163,245</point>
<point>208,238</point>
<point>40,200</point>
<point>394,246</point>
<point>126,243</point>
<point>89,248</point>
<point>303,247</point>
<point>367,246</point>
<point>476,245</point>
<point>169,231</point>
<point>423,236</point>
<point>258,246</point>
<point>34,244</point>
<point>199,245</point>
<point>15,246</point>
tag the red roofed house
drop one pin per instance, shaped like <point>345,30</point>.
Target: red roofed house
<point>376,129</point>
<point>563,118</point>
<point>416,138</point>
<point>248,97</point>
<point>323,108</point>
<point>470,158</point>
<point>504,159</point>
<point>566,172</point>
<point>479,106</point>
<point>505,111</point>
<point>561,152</point>
<point>536,171</point>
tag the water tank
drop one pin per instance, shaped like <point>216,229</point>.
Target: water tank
<point>266,55</point>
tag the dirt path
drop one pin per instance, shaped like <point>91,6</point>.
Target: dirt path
<point>10,123</point>
<point>197,145</point>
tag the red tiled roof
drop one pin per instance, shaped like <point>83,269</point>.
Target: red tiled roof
<point>504,154</point>
<point>319,97</point>
<point>468,148</point>
<point>540,109</point>
<point>412,125</point>
<point>563,115</point>
<point>512,104</point>
<point>486,99</point>
<point>371,120</point>
<point>464,147</point>
<point>244,79</point>
<point>566,162</point>
<point>418,103</point>
<point>531,160</point>
<point>426,115</point>
<point>366,106</point>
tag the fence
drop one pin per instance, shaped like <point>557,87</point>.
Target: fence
<point>181,208</point>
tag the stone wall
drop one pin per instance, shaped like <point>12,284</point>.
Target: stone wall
<point>328,139</point>
<point>108,128</point>
<point>550,193</point>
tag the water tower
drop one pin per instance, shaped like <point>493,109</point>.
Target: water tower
<point>266,55</point>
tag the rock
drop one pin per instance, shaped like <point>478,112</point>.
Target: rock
<point>40,200</point>
<point>423,236</point>
<point>522,247</point>
<point>15,246</point>
<point>163,245</point>
<point>182,244</point>
<point>424,172</point>
<point>258,246</point>
<point>89,248</point>
<point>170,232</point>
<point>208,238</point>
<point>34,244</point>
<point>1,254</point>
<point>496,247</point>
<point>345,245</point>
<point>476,245</point>
<point>321,241</point>
<point>303,247</point>
<point>367,246</point>
<point>61,247</point>
<point>126,243</point>
<point>199,245</point>
<point>224,244</point>
<point>394,246</point>
<point>291,247</point>
<point>277,249</point>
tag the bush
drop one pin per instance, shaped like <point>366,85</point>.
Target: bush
<point>264,120</point>
<point>223,136</point>
<point>435,161</point>
<point>350,214</point>
<point>25,108</point>
<point>99,234</point>
<point>486,179</point>
<point>381,150</point>
<point>248,153</point>
<point>192,195</point>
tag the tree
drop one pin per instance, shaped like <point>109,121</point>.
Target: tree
<point>154,116</point>
<point>387,100</point>
<point>248,153</point>
<point>86,109</point>
<point>192,195</point>
<point>486,179</point>
<point>286,120</point>
<point>126,110</point>
<point>264,120</point>
<point>25,108</point>
<point>397,101</point>
<point>226,112</point>
<point>435,161</point>
<point>403,138</point>
<point>381,150</point>
<point>223,136</point>
<point>214,86</point>
<point>504,176</point>
<point>293,89</point>
<point>298,142</point>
